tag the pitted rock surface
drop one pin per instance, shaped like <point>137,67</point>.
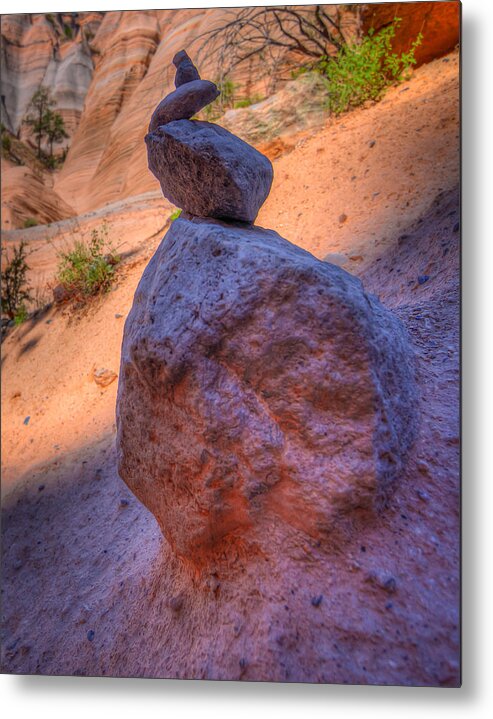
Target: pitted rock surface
<point>257,385</point>
<point>184,102</point>
<point>208,171</point>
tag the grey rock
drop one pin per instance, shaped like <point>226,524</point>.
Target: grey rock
<point>336,258</point>
<point>185,69</point>
<point>183,103</point>
<point>207,171</point>
<point>259,387</point>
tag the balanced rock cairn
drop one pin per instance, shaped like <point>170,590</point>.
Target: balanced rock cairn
<point>201,167</point>
<point>262,392</point>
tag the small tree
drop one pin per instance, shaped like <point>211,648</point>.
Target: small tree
<point>55,130</point>
<point>38,114</point>
<point>15,289</point>
<point>308,32</point>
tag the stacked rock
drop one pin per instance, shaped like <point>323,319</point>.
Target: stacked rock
<point>260,387</point>
<point>203,168</point>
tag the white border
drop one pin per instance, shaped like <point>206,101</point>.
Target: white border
<point>78,698</point>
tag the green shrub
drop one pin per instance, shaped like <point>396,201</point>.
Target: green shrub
<point>21,315</point>
<point>68,32</point>
<point>15,289</point>
<point>224,102</point>
<point>175,215</point>
<point>362,72</point>
<point>88,267</point>
<point>6,142</point>
<point>246,101</point>
<point>30,222</point>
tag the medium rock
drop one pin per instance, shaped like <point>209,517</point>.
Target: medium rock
<point>207,171</point>
<point>61,294</point>
<point>335,258</point>
<point>103,377</point>
<point>183,103</point>
<point>258,385</point>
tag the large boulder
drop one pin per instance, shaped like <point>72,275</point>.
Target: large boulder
<point>257,385</point>
<point>208,171</point>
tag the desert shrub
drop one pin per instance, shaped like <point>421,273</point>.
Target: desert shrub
<point>15,288</point>
<point>10,146</point>
<point>224,102</point>
<point>361,72</point>
<point>88,267</point>
<point>247,101</point>
<point>30,222</point>
<point>175,215</point>
<point>68,32</point>
<point>21,315</point>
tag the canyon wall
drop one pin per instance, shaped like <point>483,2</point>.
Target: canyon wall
<point>52,50</point>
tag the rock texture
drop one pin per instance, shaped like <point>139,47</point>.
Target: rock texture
<point>188,99</point>
<point>116,113</point>
<point>300,104</point>
<point>208,171</point>
<point>257,385</point>
<point>26,197</point>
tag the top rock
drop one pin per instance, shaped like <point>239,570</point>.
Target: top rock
<point>185,69</point>
<point>203,168</point>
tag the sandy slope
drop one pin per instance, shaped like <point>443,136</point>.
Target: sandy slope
<point>96,565</point>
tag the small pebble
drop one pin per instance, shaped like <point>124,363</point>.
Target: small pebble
<point>26,421</point>
<point>117,316</point>
<point>123,502</point>
<point>389,605</point>
<point>342,218</point>
<point>41,487</point>
<point>424,496</point>
<point>90,634</point>
<point>317,601</point>
<point>422,279</point>
<point>390,585</point>
<point>372,143</point>
<point>457,227</point>
<point>243,663</point>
